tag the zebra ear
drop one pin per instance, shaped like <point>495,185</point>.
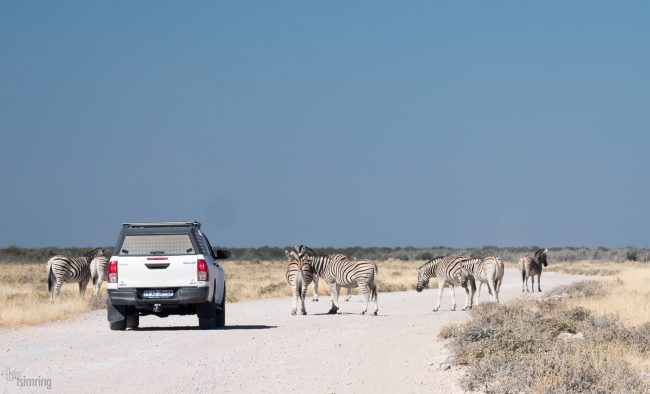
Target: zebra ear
<point>546,251</point>
<point>286,252</point>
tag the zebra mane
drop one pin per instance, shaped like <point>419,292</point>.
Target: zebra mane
<point>431,263</point>
<point>94,253</point>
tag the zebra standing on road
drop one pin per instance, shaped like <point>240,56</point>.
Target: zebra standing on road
<point>531,267</point>
<point>99,272</point>
<point>448,271</point>
<point>489,271</point>
<point>68,269</point>
<point>339,271</point>
<point>299,276</point>
<point>314,297</point>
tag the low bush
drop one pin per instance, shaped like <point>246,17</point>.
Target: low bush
<point>514,348</point>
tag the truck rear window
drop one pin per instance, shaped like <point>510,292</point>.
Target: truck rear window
<point>157,244</point>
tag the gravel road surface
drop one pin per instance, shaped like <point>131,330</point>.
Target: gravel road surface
<point>262,349</point>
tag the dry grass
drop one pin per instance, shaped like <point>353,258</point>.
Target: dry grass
<point>24,299</point>
<point>515,347</point>
<point>593,268</point>
<point>627,296</point>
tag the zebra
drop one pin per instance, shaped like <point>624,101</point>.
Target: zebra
<point>314,297</point>
<point>299,276</point>
<point>99,272</point>
<point>449,271</point>
<point>67,269</point>
<point>339,271</point>
<point>490,271</point>
<point>531,267</point>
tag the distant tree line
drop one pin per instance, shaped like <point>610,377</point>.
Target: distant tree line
<point>17,254</point>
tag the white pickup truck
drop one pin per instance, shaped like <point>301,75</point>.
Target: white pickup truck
<point>164,269</point>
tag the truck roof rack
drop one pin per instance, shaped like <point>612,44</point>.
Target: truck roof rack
<point>163,224</point>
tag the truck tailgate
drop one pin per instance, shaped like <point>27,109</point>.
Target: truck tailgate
<point>157,272</point>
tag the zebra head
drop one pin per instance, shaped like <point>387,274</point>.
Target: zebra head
<point>423,279</point>
<point>540,256</point>
<point>463,276</point>
<point>292,255</point>
<point>304,252</point>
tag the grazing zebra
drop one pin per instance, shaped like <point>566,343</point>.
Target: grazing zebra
<point>99,272</point>
<point>490,271</point>
<point>531,267</point>
<point>299,275</point>
<point>448,271</point>
<point>67,269</point>
<point>338,271</point>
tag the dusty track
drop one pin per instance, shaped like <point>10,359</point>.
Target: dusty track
<point>262,349</point>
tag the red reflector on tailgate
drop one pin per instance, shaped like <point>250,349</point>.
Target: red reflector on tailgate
<point>156,258</point>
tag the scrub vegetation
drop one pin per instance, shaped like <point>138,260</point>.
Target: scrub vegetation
<point>590,336</point>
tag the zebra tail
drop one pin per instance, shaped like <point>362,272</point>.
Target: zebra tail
<point>50,277</point>
<point>373,295</point>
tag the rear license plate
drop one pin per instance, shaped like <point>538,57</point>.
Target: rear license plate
<point>158,293</point>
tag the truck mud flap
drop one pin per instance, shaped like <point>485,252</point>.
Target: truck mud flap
<point>115,312</point>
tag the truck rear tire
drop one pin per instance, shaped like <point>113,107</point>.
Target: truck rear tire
<point>207,315</point>
<point>221,313</point>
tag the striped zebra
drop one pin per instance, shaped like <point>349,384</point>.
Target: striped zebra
<point>339,271</point>
<point>67,269</point>
<point>299,276</point>
<point>490,271</point>
<point>448,271</point>
<point>314,297</point>
<point>531,267</point>
<point>99,272</point>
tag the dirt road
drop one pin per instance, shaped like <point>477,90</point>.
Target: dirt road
<point>262,349</point>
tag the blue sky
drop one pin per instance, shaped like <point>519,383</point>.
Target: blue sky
<point>327,123</point>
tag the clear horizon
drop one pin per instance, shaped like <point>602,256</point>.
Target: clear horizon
<point>327,123</point>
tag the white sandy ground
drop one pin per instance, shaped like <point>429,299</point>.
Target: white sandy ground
<point>262,349</point>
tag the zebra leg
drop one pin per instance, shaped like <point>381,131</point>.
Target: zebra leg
<point>441,287</point>
<point>57,290</point>
<point>532,283</point>
<point>469,296</point>
<point>497,286</point>
<point>349,296</point>
<point>335,298</point>
<point>492,287</point>
<point>478,296</point>
<point>314,297</point>
<point>453,297</point>
<point>303,295</point>
<point>294,300</point>
<point>98,288</point>
<point>82,287</point>
<point>539,277</point>
<point>366,295</point>
<point>374,294</point>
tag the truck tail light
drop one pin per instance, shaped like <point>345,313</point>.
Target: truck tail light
<point>202,270</point>
<point>112,271</point>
